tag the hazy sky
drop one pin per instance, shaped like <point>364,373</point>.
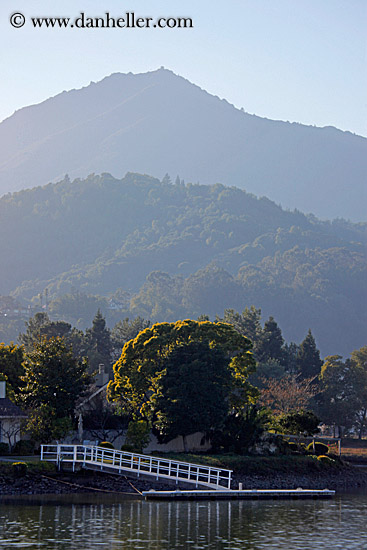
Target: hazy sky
<point>296,60</point>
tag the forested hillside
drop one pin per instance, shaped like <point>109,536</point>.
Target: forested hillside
<point>168,250</point>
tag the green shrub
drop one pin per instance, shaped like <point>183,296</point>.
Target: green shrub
<point>320,448</point>
<point>19,469</point>
<point>299,422</point>
<point>326,460</point>
<point>4,449</point>
<point>137,435</point>
<point>295,448</point>
<point>24,447</point>
<point>128,448</point>
<point>292,447</point>
<point>106,445</point>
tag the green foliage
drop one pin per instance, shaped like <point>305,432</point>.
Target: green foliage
<point>4,449</point>
<point>127,448</point>
<point>106,445</point>
<point>11,368</point>
<point>270,344</point>
<point>24,447</point>
<point>19,469</point>
<point>246,323</point>
<point>326,460</point>
<point>343,391</point>
<point>44,426</point>
<point>126,330</point>
<point>53,377</point>
<point>41,327</point>
<point>33,330</point>
<point>270,369</point>
<point>292,447</point>
<point>308,357</point>
<point>320,448</point>
<point>137,436</point>
<point>298,423</point>
<point>193,391</point>
<point>141,368</point>
<point>240,431</point>
<point>54,381</point>
<point>98,342</point>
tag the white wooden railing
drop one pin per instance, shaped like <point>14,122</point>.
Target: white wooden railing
<point>124,462</point>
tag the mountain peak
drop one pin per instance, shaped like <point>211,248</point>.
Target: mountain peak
<point>158,122</point>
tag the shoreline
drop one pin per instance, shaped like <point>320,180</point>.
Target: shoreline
<point>94,482</point>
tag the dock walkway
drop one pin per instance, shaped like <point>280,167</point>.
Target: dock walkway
<point>247,494</point>
<point>125,463</point>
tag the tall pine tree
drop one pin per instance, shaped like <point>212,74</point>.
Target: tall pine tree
<point>271,343</point>
<point>99,345</point>
<point>308,357</point>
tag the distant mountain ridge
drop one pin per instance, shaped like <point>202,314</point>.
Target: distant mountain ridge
<point>158,122</point>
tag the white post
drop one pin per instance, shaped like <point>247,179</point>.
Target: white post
<point>74,457</point>
<point>58,456</point>
<point>158,464</point>
<point>218,483</point>
<point>41,452</point>
<point>139,466</point>
<point>120,463</point>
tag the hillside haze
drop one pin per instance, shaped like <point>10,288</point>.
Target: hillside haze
<point>158,122</point>
<point>174,251</point>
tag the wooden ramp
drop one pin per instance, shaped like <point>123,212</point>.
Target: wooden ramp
<point>125,463</point>
<point>250,494</point>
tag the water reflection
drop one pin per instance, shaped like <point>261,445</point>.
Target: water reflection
<point>337,524</point>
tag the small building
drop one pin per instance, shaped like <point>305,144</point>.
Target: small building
<point>11,417</point>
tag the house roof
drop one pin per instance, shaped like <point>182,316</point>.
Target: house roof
<point>10,410</point>
<point>88,399</point>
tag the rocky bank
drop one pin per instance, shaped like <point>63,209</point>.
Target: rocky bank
<point>98,482</point>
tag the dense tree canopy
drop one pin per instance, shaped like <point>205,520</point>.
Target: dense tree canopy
<point>53,377</point>
<point>342,401</point>
<point>11,365</point>
<point>146,361</point>
<point>193,392</point>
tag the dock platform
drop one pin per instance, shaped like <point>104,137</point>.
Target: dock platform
<point>247,494</point>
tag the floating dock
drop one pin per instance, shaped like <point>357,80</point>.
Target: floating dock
<point>247,494</point>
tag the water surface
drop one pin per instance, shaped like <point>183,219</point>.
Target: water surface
<point>88,522</point>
